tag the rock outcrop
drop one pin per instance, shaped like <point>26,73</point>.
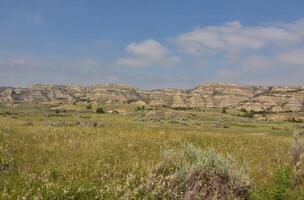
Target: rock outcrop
<point>257,98</point>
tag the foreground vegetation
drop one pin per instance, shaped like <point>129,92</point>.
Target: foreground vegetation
<point>80,154</point>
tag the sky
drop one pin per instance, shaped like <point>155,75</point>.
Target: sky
<point>152,44</point>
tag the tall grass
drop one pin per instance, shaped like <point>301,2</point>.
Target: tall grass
<point>74,160</point>
<point>57,157</point>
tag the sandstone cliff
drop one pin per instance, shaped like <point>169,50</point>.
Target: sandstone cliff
<point>257,98</point>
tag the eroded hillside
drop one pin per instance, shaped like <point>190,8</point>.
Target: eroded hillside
<point>256,98</point>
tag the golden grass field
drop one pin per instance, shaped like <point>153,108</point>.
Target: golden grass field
<point>84,155</point>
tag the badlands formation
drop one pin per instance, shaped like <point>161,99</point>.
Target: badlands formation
<point>256,98</point>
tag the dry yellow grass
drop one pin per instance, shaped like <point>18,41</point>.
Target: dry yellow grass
<point>84,162</point>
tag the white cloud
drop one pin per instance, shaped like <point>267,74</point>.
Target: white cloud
<point>203,63</point>
<point>227,75</point>
<point>147,53</point>
<point>233,37</point>
<point>16,61</point>
<point>294,57</point>
<point>17,64</point>
<point>254,63</point>
<point>254,54</point>
<point>287,59</point>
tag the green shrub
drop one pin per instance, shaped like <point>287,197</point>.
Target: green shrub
<point>295,120</point>
<point>57,111</point>
<point>8,112</point>
<point>224,110</point>
<point>243,110</point>
<point>283,184</point>
<point>297,159</point>
<point>282,188</point>
<point>193,174</point>
<point>100,110</point>
<point>288,182</point>
<point>249,114</point>
<point>138,108</point>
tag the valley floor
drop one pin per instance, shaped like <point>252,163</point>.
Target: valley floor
<point>79,154</point>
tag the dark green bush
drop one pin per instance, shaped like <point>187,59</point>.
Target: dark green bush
<point>295,120</point>
<point>138,108</point>
<point>224,110</point>
<point>248,114</point>
<point>100,110</point>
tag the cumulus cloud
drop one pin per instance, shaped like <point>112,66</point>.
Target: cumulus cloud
<point>147,53</point>
<point>233,37</point>
<point>269,53</point>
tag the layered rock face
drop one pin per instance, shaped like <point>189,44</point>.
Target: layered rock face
<point>257,98</point>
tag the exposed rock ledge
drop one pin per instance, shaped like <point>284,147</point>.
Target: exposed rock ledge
<point>257,98</point>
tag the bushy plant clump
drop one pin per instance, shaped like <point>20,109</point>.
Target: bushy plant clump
<point>100,110</point>
<point>288,183</point>
<point>194,174</point>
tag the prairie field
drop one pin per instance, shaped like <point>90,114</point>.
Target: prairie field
<point>151,100</point>
<point>80,154</point>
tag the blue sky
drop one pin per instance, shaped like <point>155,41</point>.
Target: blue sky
<point>151,44</point>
